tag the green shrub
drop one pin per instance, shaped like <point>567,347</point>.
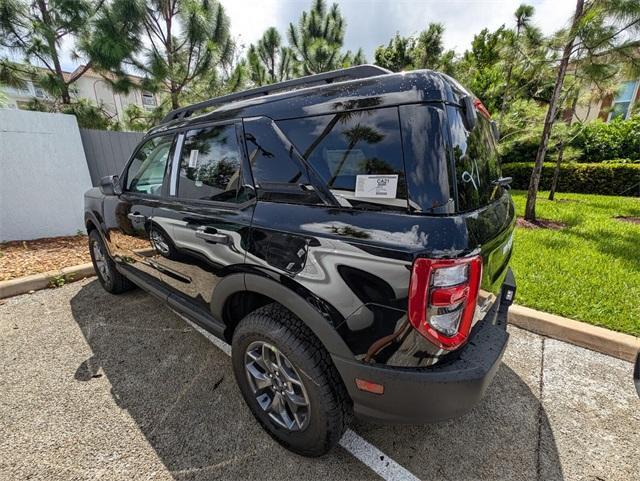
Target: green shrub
<point>519,151</point>
<point>594,142</point>
<point>616,139</point>
<point>603,178</point>
<point>521,131</point>
<point>526,151</point>
<point>621,161</point>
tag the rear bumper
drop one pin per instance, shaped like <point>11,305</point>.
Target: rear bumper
<point>445,390</point>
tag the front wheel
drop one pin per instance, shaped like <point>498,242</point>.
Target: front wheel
<point>105,268</point>
<point>289,382</point>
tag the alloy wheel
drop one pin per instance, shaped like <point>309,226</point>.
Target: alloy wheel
<point>277,386</point>
<point>101,262</point>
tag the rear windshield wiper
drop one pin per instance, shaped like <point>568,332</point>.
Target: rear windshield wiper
<point>503,181</point>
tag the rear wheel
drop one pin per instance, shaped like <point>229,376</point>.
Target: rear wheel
<point>289,382</point>
<point>105,268</point>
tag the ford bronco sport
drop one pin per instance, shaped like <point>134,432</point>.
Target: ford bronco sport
<point>348,234</point>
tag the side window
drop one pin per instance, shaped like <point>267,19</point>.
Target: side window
<point>357,154</point>
<point>210,164</point>
<point>277,170</point>
<point>146,171</point>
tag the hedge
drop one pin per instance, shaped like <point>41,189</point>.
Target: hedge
<point>618,138</point>
<point>596,141</point>
<point>606,179</point>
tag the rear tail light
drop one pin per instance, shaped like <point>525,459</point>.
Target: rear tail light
<point>442,299</point>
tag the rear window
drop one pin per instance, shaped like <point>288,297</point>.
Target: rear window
<point>476,162</point>
<point>357,154</point>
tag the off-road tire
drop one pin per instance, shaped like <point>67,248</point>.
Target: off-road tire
<point>330,408</point>
<point>116,283</point>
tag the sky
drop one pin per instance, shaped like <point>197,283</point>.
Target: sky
<point>371,23</point>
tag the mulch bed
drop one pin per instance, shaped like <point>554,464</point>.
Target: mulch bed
<point>23,258</point>
<point>540,224</point>
<point>628,218</point>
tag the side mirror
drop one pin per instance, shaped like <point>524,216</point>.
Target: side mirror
<point>470,114</point>
<point>110,185</point>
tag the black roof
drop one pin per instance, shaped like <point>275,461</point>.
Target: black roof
<point>369,86</point>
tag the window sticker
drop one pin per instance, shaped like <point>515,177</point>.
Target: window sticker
<point>193,158</point>
<point>377,186</point>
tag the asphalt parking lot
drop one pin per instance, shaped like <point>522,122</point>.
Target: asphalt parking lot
<point>94,386</point>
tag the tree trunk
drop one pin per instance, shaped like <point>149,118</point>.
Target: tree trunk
<point>175,102</point>
<point>173,86</point>
<point>530,209</point>
<point>53,52</point>
<point>506,96</point>
<point>65,95</point>
<point>556,170</point>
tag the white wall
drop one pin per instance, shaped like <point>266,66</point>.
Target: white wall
<point>43,175</point>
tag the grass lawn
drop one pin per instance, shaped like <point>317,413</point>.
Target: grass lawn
<point>590,270</point>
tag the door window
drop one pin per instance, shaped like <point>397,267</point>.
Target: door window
<point>210,164</point>
<point>145,173</point>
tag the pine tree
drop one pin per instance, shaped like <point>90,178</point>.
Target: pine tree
<point>600,29</point>
<point>318,38</point>
<point>180,43</point>
<point>36,30</point>
<point>269,61</point>
<point>523,16</point>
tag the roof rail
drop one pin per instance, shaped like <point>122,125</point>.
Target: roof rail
<point>351,73</point>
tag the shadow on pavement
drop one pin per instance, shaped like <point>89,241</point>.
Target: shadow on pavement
<point>180,391</point>
<point>506,437</point>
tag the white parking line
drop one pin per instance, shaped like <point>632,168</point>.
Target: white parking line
<point>375,459</point>
<point>360,448</point>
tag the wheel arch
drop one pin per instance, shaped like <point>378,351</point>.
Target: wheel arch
<point>238,294</point>
<point>91,222</point>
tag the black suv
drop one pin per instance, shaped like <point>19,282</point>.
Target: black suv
<point>348,234</point>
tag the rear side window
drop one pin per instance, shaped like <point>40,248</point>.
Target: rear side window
<point>476,162</point>
<point>210,164</point>
<point>279,173</point>
<point>358,155</point>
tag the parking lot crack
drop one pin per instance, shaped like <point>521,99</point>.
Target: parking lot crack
<point>222,464</point>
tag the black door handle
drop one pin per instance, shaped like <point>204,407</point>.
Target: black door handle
<point>211,235</point>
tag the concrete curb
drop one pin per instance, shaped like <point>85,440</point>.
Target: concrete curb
<point>616,344</point>
<point>23,285</point>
